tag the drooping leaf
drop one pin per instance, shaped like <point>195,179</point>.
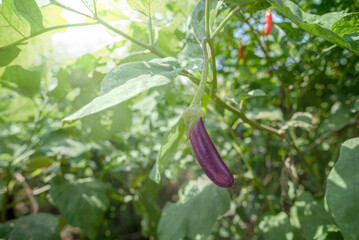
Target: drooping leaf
<point>342,191</point>
<point>200,204</point>
<point>129,80</point>
<point>322,26</point>
<point>36,226</point>
<point>82,202</point>
<point>29,10</point>
<point>168,149</point>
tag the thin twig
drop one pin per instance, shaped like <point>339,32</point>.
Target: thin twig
<point>25,185</point>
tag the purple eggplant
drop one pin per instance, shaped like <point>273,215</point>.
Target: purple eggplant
<point>208,156</point>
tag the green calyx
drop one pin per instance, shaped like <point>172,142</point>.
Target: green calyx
<point>191,116</point>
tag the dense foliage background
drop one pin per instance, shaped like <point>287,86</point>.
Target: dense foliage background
<point>93,142</point>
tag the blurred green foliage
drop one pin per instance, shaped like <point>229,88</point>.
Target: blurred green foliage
<point>119,166</point>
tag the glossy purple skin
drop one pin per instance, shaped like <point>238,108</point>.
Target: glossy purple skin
<point>208,156</point>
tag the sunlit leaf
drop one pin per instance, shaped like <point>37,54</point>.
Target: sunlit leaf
<point>317,25</point>
<point>342,191</point>
<point>29,10</point>
<point>127,81</point>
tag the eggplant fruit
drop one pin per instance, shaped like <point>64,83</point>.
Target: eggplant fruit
<point>208,156</point>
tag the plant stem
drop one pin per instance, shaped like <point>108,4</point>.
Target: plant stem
<point>95,7</point>
<point>69,9</point>
<point>202,85</point>
<point>206,21</point>
<point>223,23</point>
<point>132,39</point>
<point>48,30</point>
<point>214,68</point>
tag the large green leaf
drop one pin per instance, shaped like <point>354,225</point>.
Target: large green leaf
<point>308,216</point>
<point>24,81</point>
<point>12,26</point>
<point>193,216</point>
<point>168,149</point>
<point>29,10</point>
<point>327,26</point>
<point>127,81</point>
<point>37,226</point>
<point>275,227</point>
<point>82,202</point>
<point>342,191</point>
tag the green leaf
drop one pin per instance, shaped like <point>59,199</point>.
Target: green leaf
<point>253,93</point>
<point>127,81</point>
<point>192,54</point>
<point>19,109</point>
<point>301,120</point>
<point>200,204</point>
<point>12,26</point>
<point>347,25</point>
<point>82,202</point>
<point>63,86</point>
<point>342,191</point>
<point>275,227</point>
<point>36,226</point>
<point>264,113</point>
<point>320,26</point>
<point>146,7</point>
<point>7,55</point>
<point>122,117</point>
<point>340,116</point>
<point>31,12</point>
<point>292,32</point>
<point>168,149</point>
<point>23,81</point>
<point>308,215</point>
<point>39,162</point>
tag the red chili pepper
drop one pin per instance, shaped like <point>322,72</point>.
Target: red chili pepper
<point>240,51</point>
<point>268,22</point>
<point>208,156</point>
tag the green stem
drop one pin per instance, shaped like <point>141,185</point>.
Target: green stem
<point>149,25</point>
<point>132,39</point>
<point>69,9</point>
<point>48,30</point>
<point>214,68</point>
<point>95,7</point>
<point>206,21</point>
<point>202,85</point>
<point>223,23</point>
